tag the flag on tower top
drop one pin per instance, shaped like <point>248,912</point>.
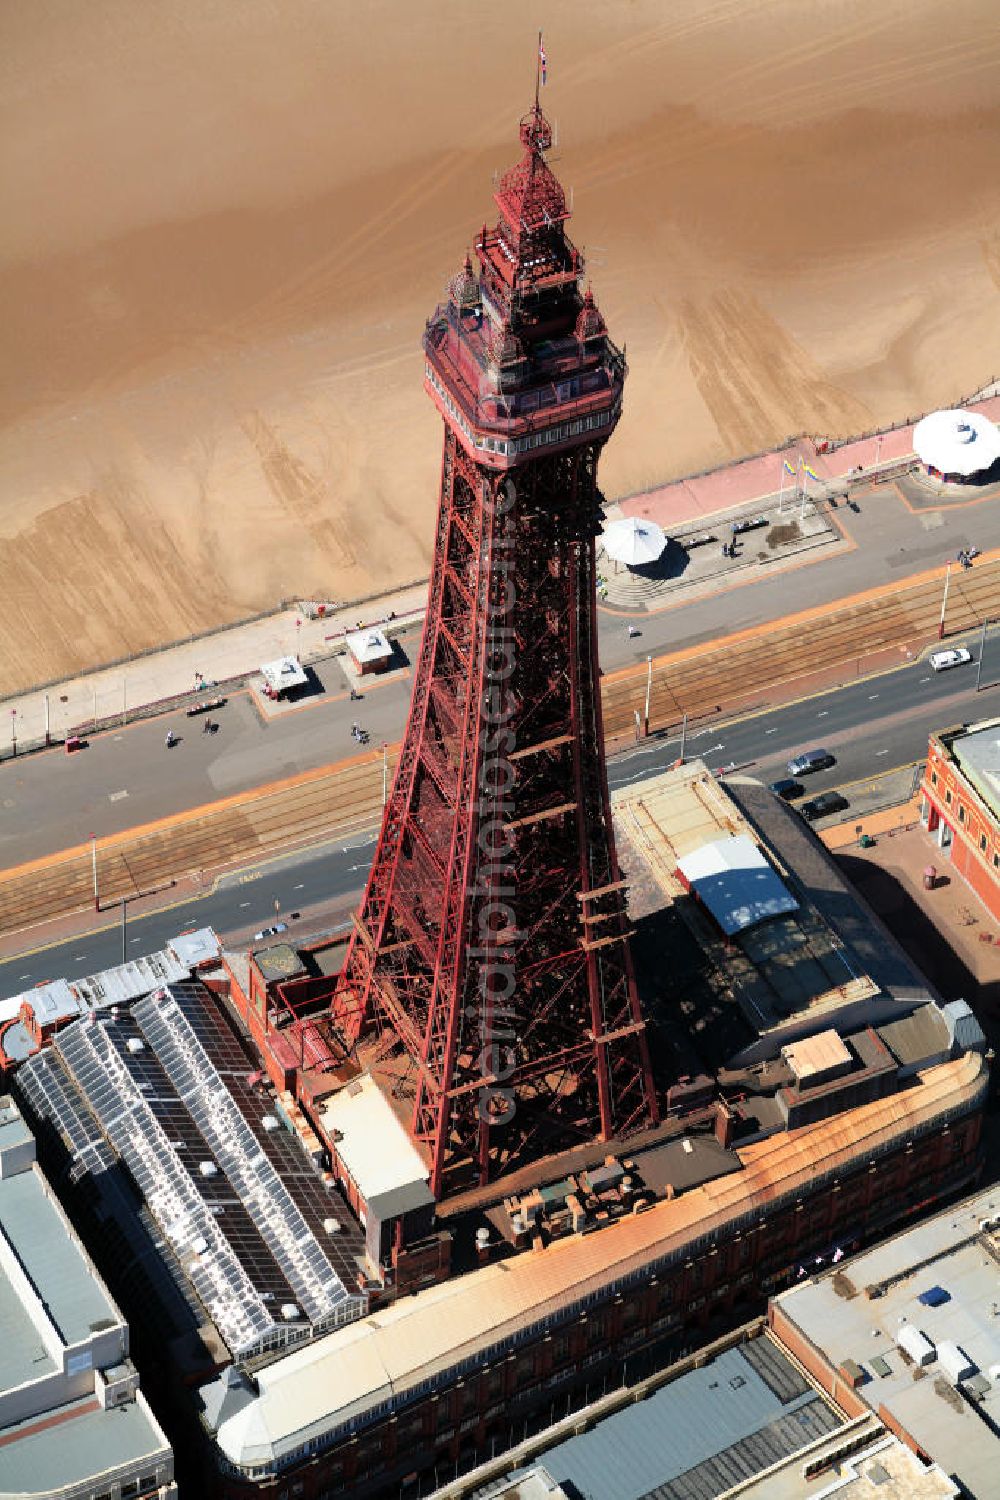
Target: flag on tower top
<point>542,60</point>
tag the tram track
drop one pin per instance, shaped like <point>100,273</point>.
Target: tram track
<point>347,798</point>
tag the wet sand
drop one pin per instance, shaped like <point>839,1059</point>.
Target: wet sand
<point>226,225</point>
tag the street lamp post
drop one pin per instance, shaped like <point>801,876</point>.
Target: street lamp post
<point>385,772</point>
<point>982,649</point>
<point>649,689</point>
<point>124,910</point>
<point>944,601</point>
<point>93,860</point>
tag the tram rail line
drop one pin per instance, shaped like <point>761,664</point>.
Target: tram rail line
<point>347,798</point>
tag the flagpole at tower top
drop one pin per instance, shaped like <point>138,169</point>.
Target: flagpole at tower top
<point>539,69</point>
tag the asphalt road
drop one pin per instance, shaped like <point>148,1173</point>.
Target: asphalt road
<point>869,727</point>
<point>52,801</point>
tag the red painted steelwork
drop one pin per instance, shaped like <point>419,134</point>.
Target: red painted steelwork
<point>491,948</point>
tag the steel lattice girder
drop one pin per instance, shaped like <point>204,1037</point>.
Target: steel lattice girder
<point>432,885</point>
<point>492,940</point>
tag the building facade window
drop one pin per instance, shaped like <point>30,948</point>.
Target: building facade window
<point>961,812</point>
<point>983,842</point>
<point>947,797</point>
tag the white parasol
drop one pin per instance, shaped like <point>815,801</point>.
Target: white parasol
<point>956,442</point>
<point>633,542</point>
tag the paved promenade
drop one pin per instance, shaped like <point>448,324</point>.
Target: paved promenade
<point>888,541</point>
<point>765,477</point>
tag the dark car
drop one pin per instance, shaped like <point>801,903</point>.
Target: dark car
<point>786,789</point>
<point>809,761</point>
<point>823,805</point>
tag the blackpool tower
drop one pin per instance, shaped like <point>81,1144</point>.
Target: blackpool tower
<point>490,959</point>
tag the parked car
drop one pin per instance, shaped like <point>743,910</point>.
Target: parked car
<point>266,932</point>
<point>956,657</point>
<point>808,761</point>
<point>786,789</point>
<point>823,805</point>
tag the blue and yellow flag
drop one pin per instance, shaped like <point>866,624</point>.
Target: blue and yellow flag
<point>788,468</point>
<point>812,474</point>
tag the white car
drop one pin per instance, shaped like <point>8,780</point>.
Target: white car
<point>272,931</point>
<point>956,657</point>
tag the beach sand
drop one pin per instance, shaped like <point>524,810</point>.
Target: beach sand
<point>225,225</point>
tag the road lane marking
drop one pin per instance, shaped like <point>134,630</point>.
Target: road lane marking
<point>300,887</point>
<point>872,697</point>
<point>881,752</point>
<point>80,957</point>
<point>646,750</point>
<point>771,731</point>
<point>925,679</point>
<point>135,940</point>
<point>823,713</point>
<point>244,903</point>
<point>23,976</point>
<point>116,796</point>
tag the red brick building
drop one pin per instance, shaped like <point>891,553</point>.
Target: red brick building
<point>960,803</point>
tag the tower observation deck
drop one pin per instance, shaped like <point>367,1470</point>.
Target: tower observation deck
<point>491,951</point>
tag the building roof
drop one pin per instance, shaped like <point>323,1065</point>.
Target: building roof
<point>977,753</point>
<point>62,1000</point>
<point>200,946</point>
<point>284,673</point>
<point>368,645</point>
<point>88,1443</point>
<point>164,1085</point>
<point>826,963</point>
<point>58,1326</point>
<point>816,1056</point>
<point>743,1411</point>
<point>316,1390</point>
<point>278,961</point>
<point>882,1468</point>
<point>737,884</point>
<point>52,1002</point>
<point>14,1130</point>
<point>958,1429</point>
<point>375,1148</point>
<point>75,1300</point>
<point>865,946</point>
<point>920,1037</point>
<point>956,442</point>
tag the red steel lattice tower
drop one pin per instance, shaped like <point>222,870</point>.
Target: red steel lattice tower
<point>491,948</point>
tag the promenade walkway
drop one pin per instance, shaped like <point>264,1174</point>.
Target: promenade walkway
<point>765,477</point>
<point>133,686</point>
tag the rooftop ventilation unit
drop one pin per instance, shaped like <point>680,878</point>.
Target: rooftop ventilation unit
<point>208,1168</point>
<point>916,1345</point>
<point>135,1044</point>
<point>290,1311</point>
<point>270,1122</point>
